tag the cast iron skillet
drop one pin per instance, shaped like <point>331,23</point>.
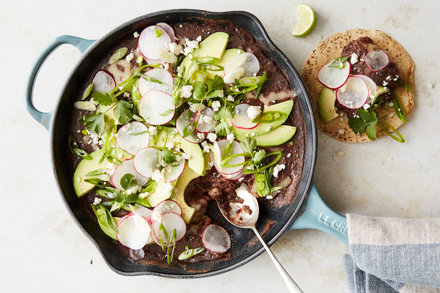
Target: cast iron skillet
<point>310,213</point>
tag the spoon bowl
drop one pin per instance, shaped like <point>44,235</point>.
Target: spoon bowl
<point>245,215</point>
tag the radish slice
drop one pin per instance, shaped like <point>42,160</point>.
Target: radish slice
<point>353,94</point>
<point>216,158</point>
<point>127,167</point>
<point>372,87</point>
<point>145,162</point>
<point>156,79</point>
<point>146,213</point>
<point>168,29</point>
<point>166,206</point>
<point>170,221</point>
<point>183,124</point>
<point>143,211</point>
<point>133,231</point>
<point>103,82</point>
<point>216,239</point>
<point>206,122</point>
<point>241,118</point>
<point>173,173</point>
<point>157,107</point>
<point>132,137</point>
<point>247,61</point>
<point>234,176</point>
<point>333,77</point>
<point>377,60</point>
<point>153,40</point>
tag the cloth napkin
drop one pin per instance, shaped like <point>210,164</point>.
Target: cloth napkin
<point>392,254</point>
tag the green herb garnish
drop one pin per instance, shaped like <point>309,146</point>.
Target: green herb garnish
<point>398,108</point>
<point>190,252</point>
<point>123,112</point>
<point>118,54</point>
<point>339,62</point>
<point>87,92</point>
<point>102,99</point>
<point>105,220</point>
<point>158,33</point>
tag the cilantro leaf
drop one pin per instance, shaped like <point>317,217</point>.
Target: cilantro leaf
<point>365,122</point>
<point>128,181</point>
<point>248,144</point>
<point>94,122</point>
<point>123,112</point>
<point>87,92</point>
<point>215,84</point>
<point>223,128</point>
<point>102,99</point>
<point>224,112</point>
<point>198,90</point>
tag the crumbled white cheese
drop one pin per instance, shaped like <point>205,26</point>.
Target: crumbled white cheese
<point>251,167</point>
<point>97,201</point>
<point>129,57</point>
<point>144,194</point>
<point>269,196</point>
<point>230,98</point>
<point>133,190</point>
<point>157,176</point>
<point>341,131</point>
<point>139,59</point>
<point>277,169</point>
<point>288,155</point>
<point>388,77</point>
<point>199,38</point>
<point>390,104</point>
<point>230,136</point>
<point>206,147</point>
<point>206,119</point>
<point>190,46</point>
<point>253,112</point>
<point>186,91</point>
<point>212,136</point>
<point>391,115</point>
<point>169,145</point>
<point>354,58</point>
<point>196,107</point>
<point>136,35</point>
<point>385,83</point>
<point>216,106</point>
<point>366,106</point>
<point>200,135</point>
<point>175,48</point>
<point>152,130</point>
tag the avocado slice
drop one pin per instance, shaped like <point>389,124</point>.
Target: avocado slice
<point>283,108</point>
<point>80,186</point>
<point>214,45</point>
<point>380,90</point>
<point>179,196</point>
<point>276,137</point>
<point>326,105</point>
<point>228,55</point>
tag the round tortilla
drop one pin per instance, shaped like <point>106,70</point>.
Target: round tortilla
<point>330,49</point>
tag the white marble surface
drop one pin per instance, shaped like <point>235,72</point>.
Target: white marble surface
<point>42,250</point>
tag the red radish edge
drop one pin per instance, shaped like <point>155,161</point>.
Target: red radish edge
<point>168,29</point>
<point>208,246</point>
<point>156,238</point>
<point>334,88</point>
<point>130,215</point>
<point>199,140</point>
<point>366,98</point>
<point>139,49</point>
<point>174,114</point>
<point>109,74</point>
<point>382,67</point>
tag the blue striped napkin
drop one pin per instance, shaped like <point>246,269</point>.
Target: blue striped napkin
<point>392,254</point>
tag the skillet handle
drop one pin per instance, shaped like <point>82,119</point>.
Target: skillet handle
<point>317,215</point>
<point>82,45</point>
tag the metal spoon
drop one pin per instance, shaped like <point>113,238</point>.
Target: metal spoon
<point>245,215</point>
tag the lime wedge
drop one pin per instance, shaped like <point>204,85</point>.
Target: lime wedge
<point>306,20</point>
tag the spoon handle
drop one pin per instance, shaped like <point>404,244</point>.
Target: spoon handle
<point>290,283</point>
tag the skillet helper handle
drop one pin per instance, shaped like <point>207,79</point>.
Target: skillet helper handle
<point>317,215</point>
<point>80,43</point>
